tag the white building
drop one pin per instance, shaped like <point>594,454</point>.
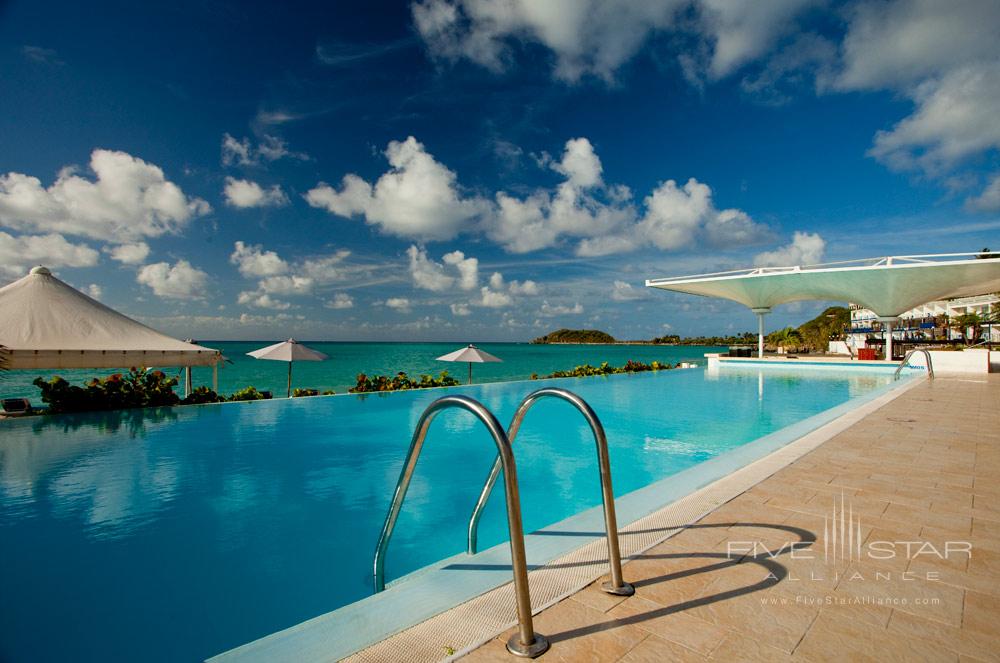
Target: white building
<point>927,322</point>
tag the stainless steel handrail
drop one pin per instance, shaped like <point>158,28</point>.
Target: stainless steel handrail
<point>927,355</point>
<point>525,642</point>
<point>617,584</point>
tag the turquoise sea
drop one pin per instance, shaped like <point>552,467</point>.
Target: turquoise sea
<point>520,360</point>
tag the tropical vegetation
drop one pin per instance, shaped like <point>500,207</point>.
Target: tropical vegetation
<point>400,382</point>
<point>586,370</point>
<point>675,339</point>
<point>828,325</point>
<point>137,388</point>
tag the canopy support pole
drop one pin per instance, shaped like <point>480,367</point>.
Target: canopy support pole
<point>215,377</point>
<point>470,372</point>
<point>187,381</point>
<point>289,380</point>
<point>888,321</point>
<point>760,313</point>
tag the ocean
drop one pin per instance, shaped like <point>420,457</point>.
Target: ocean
<point>339,372</point>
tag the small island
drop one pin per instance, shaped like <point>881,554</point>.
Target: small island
<point>576,336</point>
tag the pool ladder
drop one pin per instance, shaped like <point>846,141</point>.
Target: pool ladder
<point>906,359</point>
<point>524,643</point>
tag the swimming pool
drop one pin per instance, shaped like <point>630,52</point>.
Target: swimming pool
<point>178,534</point>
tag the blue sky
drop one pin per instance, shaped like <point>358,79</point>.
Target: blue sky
<point>474,169</point>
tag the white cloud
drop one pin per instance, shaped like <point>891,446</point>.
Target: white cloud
<point>95,291</point>
<point>331,268</point>
<point>550,310</point>
<point>18,254</point>
<point>524,288</point>
<point>418,198</point>
<point>605,219</point>
<point>468,269</point>
<point>41,55</point>
<point>580,164</point>
<point>902,42</point>
<point>401,304</point>
<point>805,249</point>
<point>245,193</point>
<point>678,216</point>
<point>988,200</point>
<point>262,300</point>
<point>957,116</point>
<point>286,284</point>
<point>426,273</point>
<point>743,31</point>
<point>580,206</point>
<point>460,310</point>
<point>626,292</point>
<point>134,253</point>
<point>128,199</point>
<point>178,281</point>
<point>340,301</point>
<point>596,37</point>
<point>493,298</point>
<point>430,275</point>
<point>244,153</point>
<point>277,277</point>
<point>587,36</point>
<point>944,56</point>
<point>253,261</point>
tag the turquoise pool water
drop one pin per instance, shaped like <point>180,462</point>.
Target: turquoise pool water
<point>177,534</point>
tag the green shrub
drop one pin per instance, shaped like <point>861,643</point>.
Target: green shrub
<point>399,382</point>
<point>604,369</point>
<point>202,395</point>
<point>247,394</point>
<point>299,393</point>
<point>138,388</point>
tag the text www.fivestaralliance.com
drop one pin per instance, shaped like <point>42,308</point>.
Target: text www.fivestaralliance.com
<point>848,600</point>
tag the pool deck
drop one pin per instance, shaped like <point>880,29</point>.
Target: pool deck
<point>917,479</point>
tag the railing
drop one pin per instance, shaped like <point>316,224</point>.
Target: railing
<point>927,355</point>
<point>616,585</point>
<point>885,261</point>
<point>525,642</point>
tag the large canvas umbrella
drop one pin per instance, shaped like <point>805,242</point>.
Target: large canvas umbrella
<point>290,350</point>
<point>471,355</point>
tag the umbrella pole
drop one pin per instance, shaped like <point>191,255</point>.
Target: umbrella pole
<point>289,380</point>
<point>470,372</point>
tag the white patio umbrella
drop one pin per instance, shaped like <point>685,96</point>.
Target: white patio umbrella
<point>471,355</point>
<point>290,350</point>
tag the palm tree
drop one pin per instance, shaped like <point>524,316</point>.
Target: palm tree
<point>966,322</point>
<point>787,337</point>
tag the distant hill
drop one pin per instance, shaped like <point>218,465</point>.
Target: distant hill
<point>817,332</point>
<point>576,336</point>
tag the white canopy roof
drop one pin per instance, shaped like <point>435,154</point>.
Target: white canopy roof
<point>290,350</point>
<point>45,323</point>
<point>888,286</point>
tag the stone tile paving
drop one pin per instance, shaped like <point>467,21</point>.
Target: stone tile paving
<point>911,572</point>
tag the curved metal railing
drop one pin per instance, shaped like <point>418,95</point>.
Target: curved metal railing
<point>927,355</point>
<point>525,642</point>
<point>617,584</point>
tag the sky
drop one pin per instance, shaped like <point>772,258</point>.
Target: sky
<point>484,170</point>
